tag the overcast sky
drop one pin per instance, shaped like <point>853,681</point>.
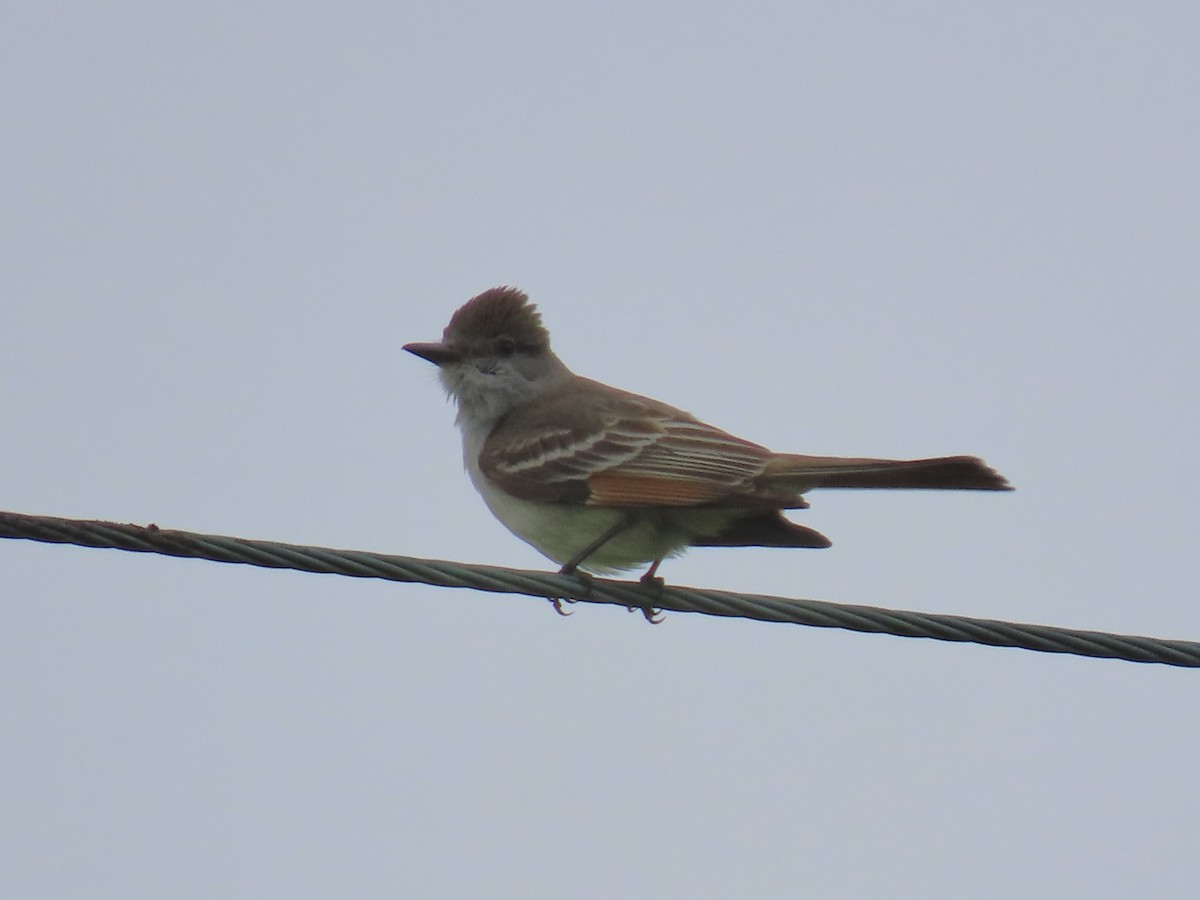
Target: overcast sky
<point>869,229</point>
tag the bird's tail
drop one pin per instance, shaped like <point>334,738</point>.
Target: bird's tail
<point>964,473</point>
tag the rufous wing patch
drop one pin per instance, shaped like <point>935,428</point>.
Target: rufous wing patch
<point>618,489</point>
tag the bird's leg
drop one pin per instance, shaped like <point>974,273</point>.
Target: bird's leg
<point>607,535</point>
<point>573,564</point>
<point>652,581</point>
<point>651,577</point>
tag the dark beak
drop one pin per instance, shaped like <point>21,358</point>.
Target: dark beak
<point>438,354</point>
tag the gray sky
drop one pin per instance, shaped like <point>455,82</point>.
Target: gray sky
<point>832,228</point>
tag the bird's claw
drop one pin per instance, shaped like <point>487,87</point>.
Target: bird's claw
<point>558,604</point>
<point>584,579</point>
<point>653,616</point>
<point>655,584</point>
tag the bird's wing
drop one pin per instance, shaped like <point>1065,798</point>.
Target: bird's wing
<point>616,449</point>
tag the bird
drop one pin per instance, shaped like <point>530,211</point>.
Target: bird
<point>601,480</point>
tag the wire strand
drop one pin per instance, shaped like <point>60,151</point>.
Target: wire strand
<point>443,573</point>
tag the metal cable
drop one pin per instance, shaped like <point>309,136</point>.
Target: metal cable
<point>818,613</point>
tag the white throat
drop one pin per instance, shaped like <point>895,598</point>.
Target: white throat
<point>486,388</point>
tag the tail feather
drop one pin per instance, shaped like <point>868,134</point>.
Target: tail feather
<point>763,529</point>
<point>964,473</point>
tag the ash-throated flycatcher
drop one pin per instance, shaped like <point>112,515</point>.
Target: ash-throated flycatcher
<point>604,480</point>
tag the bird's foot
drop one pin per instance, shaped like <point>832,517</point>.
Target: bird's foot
<point>584,578</point>
<point>653,616</point>
<point>654,584</point>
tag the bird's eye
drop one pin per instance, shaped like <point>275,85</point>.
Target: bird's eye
<point>506,346</point>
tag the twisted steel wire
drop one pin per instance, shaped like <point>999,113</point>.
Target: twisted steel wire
<point>817,613</point>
